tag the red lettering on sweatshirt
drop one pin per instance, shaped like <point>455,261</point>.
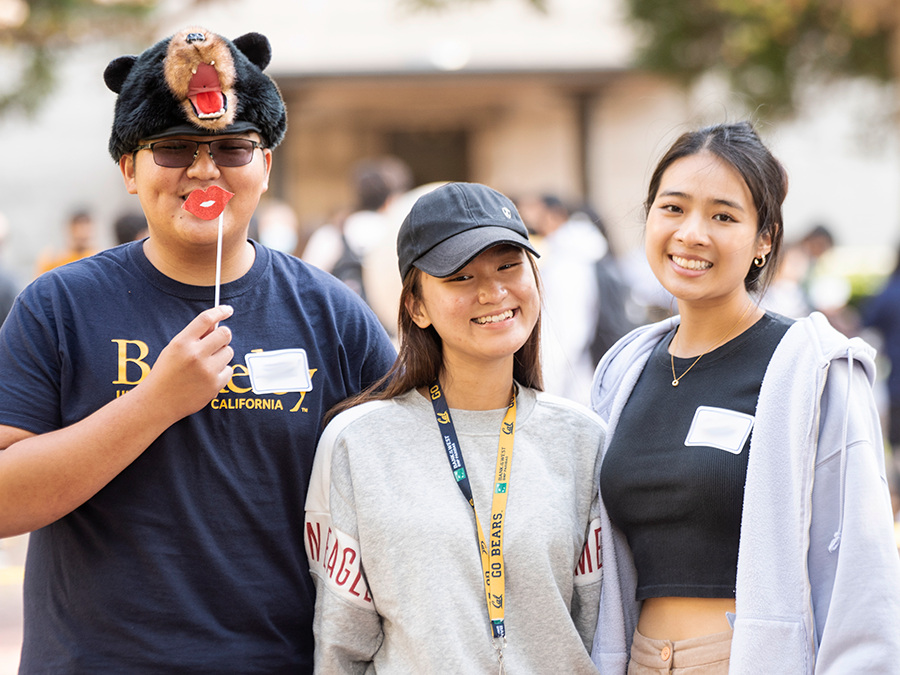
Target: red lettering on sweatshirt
<point>313,540</point>
<point>589,564</point>
<point>343,572</point>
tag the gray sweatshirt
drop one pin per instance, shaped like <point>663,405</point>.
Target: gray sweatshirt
<point>393,549</point>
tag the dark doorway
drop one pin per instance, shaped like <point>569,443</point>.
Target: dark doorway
<point>432,155</point>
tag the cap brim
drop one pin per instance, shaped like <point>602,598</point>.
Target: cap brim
<point>452,254</point>
<point>239,127</point>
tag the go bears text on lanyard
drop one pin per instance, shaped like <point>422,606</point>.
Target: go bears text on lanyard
<point>491,556</point>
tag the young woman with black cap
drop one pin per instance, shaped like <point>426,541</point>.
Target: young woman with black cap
<point>413,507</point>
<point>746,525</point>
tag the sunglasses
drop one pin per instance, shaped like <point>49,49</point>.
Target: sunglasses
<point>176,153</point>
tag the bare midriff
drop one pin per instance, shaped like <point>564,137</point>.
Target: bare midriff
<point>683,618</point>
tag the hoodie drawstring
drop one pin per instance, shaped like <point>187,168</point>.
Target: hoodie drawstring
<point>836,541</point>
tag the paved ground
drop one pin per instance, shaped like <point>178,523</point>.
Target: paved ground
<point>12,566</point>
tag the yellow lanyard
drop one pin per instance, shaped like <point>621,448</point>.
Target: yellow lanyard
<point>491,550</point>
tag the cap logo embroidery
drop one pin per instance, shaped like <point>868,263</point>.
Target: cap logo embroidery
<point>507,212</point>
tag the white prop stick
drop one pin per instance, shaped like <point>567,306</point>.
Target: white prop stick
<point>219,257</point>
<point>207,204</point>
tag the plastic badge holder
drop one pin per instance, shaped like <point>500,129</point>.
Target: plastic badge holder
<point>720,428</point>
<point>279,371</point>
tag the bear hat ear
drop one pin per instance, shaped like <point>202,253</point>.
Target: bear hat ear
<point>256,47</point>
<point>117,71</point>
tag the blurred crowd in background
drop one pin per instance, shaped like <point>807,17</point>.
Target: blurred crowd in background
<point>593,294</point>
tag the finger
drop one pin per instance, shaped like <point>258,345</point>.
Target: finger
<point>217,338</point>
<point>223,357</point>
<point>205,322</point>
<point>224,377</point>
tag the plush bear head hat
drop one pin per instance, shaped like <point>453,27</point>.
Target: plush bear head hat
<point>194,83</point>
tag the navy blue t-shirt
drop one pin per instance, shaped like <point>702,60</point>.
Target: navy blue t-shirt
<point>191,560</point>
<point>883,313</point>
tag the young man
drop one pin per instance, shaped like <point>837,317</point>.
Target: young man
<point>162,466</point>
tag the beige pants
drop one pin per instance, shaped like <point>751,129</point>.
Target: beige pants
<point>707,655</point>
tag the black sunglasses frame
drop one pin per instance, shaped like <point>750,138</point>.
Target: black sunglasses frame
<point>212,150</point>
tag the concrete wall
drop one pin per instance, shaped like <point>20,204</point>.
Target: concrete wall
<point>632,124</point>
<point>522,133</point>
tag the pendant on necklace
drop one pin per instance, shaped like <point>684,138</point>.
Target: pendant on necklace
<point>674,383</point>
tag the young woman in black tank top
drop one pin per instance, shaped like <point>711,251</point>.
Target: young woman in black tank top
<point>673,475</point>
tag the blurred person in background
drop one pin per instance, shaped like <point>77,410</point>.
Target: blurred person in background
<point>817,242</point>
<point>79,243</point>
<point>573,277</point>
<point>883,313</point>
<point>824,283</point>
<point>808,280</point>
<point>130,227</point>
<point>786,295</point>
<point>278,228</point>
<point>379,265</point>
<point>619,309</point>
<point>340,250</point>
<point>9,284</point>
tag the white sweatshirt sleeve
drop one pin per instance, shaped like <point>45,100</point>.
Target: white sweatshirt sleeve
<point>588,580</point>
<point>589,571</point>
<point>347,628</point>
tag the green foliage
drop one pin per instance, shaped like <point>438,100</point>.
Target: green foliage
<point>766,47</point>
<point>51,27</point>
<point>35,81</point>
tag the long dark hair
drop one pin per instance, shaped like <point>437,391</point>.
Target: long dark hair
<point>739,146</point>
<point>420,359</point>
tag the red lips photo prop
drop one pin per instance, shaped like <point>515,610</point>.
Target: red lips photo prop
<point>209,203</point>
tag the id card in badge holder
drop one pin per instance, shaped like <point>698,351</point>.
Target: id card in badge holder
<point>720,428</point>
<point>278,371</point>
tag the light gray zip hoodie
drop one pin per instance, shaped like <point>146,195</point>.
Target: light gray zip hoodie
<point>818,578</point>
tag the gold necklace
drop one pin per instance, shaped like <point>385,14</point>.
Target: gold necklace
<point>721,340</point>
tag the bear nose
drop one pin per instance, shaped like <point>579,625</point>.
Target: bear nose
<point>195,37</point>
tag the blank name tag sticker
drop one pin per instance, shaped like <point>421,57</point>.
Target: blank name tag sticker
<point>278,371</point>
<point>719,428</point>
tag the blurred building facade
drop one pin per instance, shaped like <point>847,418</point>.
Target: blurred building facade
<point>494,92</point>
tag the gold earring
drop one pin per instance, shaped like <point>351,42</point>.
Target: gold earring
<point>760,261</point>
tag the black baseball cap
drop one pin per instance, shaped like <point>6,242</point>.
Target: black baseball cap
<point>448,227</point>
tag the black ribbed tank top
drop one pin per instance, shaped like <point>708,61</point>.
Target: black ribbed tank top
<point>673,477</point>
